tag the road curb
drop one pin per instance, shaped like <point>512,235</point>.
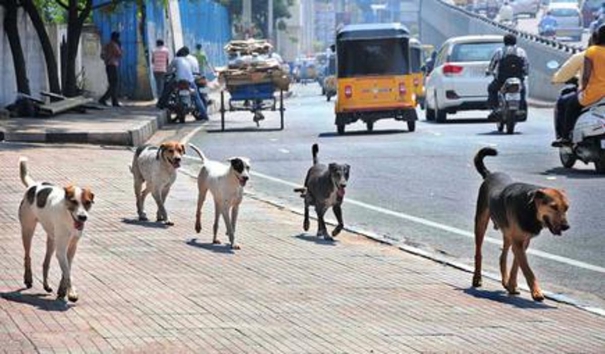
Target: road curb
<point>540,104</point>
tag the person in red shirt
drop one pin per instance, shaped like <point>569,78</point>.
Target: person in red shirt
<point>160,59</point>
<point>111,55</point>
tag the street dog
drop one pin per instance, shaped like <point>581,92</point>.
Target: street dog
<point>62,213</point>
<point>324,188</point>
<point>157,169</point>
<point>226,184</point>
<point>520,211</point>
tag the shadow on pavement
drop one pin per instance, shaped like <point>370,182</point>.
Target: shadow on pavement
<point>150,224</point>
<point>318,240</point>
<point>503,297</point>
<point>244,130</point>
<point>497,133</point>
<point>224,248</point>
<point>363,132</point>
<point>461,121</point>
<point>572,173</point>
<point>42,301</point>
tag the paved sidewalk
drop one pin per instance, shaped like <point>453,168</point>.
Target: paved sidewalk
<point>149,289</point>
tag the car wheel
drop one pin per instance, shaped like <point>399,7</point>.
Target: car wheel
<point>440,116</point>
<point>429,114</point>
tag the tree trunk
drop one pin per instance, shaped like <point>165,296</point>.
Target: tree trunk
<point>75,22</point>
<point>12,32</point>
<point>51,61</point>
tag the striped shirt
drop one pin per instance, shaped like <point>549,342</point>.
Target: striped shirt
<point>160,59</point>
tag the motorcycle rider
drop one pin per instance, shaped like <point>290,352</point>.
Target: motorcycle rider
<point>548,25</point>
<point>183,69</point>
<point>592,88</point>
<point>508,61</point>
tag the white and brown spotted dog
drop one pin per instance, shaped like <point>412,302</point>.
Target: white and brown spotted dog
<point>62,213</point>
<point>156,167</point>
<point>226,183</point>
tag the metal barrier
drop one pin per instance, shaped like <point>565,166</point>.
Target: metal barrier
<point>440,21</point>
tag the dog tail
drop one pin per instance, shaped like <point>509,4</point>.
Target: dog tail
<point>483,171</point>
<point>302,191</point>
<point>25,178</point>
<point>198,151</point>
<point>314,151</point>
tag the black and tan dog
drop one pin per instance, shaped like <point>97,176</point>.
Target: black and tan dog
<point>520,211</point>
<point>324,188</point>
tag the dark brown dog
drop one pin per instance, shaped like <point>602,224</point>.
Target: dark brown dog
<point>520,211</point>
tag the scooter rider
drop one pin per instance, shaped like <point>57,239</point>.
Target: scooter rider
<point>508,61</point>
<point>548,25</point>
<point>183,70</point>
<point>592,88</point>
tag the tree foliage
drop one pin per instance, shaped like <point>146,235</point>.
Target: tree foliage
<point>259,11</point>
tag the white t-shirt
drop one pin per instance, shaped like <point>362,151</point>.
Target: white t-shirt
<point>182,69</point>
<point>195,64</point>
<point>506,13</point>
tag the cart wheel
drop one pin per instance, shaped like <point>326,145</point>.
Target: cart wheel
<point>222,110</point>
<point>411,125</point>
<point>340,128</point>
<point>281,108</point>
<point>370,126</point>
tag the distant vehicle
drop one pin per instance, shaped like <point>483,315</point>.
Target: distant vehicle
<point>569,20</point>
<point>458,81</point>
<point>482,6</point>
<point>588,9</point>
<point>525,7</point>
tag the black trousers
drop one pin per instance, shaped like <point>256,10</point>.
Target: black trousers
<point>112,79</point>
<point>571,109</point>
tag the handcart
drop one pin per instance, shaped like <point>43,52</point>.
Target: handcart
<point>254,97</point>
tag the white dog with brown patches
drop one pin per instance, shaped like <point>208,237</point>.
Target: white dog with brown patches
<point>156,167</point>
<point>226,183</point>
<point>62,213</point>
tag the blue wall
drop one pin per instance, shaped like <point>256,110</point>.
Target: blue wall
<point>206,22</point>
<point>202,21</point>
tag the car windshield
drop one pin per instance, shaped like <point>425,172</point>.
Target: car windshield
<point>474,51</point>
<point>564,12</point>
<point>373,57</point>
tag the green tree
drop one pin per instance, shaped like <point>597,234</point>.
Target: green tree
<point>259,11</point>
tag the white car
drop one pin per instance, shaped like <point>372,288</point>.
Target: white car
<point>458,81</point>
<point>569,19</point>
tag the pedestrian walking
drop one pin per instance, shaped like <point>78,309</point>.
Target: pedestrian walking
<point>160,59</point>
<point>111,55</point>
<point>206,68</point>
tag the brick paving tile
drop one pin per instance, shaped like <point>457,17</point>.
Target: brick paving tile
<point>145,288</point>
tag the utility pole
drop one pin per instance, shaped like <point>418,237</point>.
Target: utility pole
<point>270,20</point>
<point>247,17</point>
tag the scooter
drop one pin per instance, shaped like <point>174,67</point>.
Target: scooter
<point>547,31</point>
<point>509,101</point>
<point>587,138</point>
<point>588,134</point>
<point>180,102</point>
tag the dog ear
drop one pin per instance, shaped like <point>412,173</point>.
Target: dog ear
<point>160,151</point>
<point>538,196</point>
<point>332,167</point>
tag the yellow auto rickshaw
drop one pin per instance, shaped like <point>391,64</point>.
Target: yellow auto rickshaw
<point>416,60</point>
<point>374,76</point>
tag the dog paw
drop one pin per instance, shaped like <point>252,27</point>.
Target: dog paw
<point>61,293</point>
<point>235,247</point>
<point>306,225</point>
<point>512,290</point>
<point>477,282</point>
<point>143,218</point>
<point>198,227</point>
<point>72,296</point>
<point>537,296</point>
<point>216,242</point>
<point>337,230</point>
<point>168,223</point>
<point>48,289</point>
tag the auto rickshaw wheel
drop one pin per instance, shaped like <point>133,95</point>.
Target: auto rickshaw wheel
<point>340,128</point>
<point>370,126</point>
<point>411,125</point>
<point>429,114</point>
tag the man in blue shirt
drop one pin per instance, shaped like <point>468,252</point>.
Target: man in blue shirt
<point>548,25</point>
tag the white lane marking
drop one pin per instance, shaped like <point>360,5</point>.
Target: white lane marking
<point>551,178</point>
<point>454,230</point>
<point>285,151</point>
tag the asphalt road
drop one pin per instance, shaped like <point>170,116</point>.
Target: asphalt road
<point>531,25</point>
<point>420,188</point>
